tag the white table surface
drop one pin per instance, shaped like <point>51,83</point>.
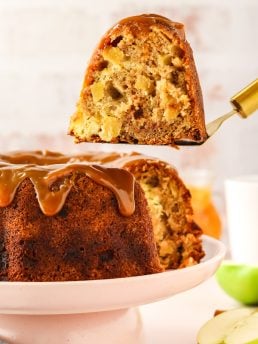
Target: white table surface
<point>178,319</point>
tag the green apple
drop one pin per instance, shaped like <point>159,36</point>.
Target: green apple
<point>239,281</point>
<point>237,326</point>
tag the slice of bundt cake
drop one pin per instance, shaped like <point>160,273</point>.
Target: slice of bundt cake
<point>141,86</point>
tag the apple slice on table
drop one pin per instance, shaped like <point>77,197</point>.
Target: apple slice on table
<point>237,326</point>
<point>239,281</point>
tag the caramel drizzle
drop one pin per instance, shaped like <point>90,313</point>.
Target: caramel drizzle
<point>139,23</point>
<point>49,158</point>
<point>119,181</point>
<point>148,20</point>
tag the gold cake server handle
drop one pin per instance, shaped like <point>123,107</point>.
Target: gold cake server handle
<point>244,104</point>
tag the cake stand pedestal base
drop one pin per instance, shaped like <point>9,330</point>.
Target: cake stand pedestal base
<point>121,326</point>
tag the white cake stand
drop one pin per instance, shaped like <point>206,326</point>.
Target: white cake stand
<point>86,311</point>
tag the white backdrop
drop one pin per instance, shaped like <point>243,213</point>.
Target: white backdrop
<point>45,44</point>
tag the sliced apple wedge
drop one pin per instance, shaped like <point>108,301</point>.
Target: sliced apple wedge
<point>237,326</point>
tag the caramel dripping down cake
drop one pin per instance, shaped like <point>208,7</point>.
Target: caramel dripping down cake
<point>63,220</point>
<point>66,220</point>
<point>141,87</point>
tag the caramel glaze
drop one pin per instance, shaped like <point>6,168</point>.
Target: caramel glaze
<point>148,20</point>
<point>142,23</point>
<point>45,168</point>
<point>48,158</point>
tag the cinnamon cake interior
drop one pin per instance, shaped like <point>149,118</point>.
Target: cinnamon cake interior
<point>169,201</point>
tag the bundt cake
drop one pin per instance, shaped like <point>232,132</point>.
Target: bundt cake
<point>66,218</point>
<point>141,86</point>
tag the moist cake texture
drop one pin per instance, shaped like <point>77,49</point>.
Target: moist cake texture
<point>176,234</point>
<point>141,86</point>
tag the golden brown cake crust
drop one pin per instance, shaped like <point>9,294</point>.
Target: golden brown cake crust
<point>141,25</point>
